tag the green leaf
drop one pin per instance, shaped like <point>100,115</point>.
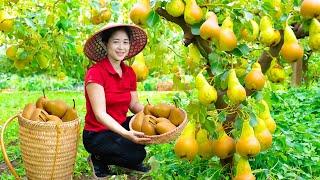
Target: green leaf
<point>153,19</point>
<point>195,29</point>
<point>30,23</point>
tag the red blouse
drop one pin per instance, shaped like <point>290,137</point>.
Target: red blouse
<point>117,92</point>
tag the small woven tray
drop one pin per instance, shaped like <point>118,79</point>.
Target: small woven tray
<point>168,136</point>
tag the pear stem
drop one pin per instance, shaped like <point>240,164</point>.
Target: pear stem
<point>44,95</point>
<point>148,101</point>
<point>74,104</point>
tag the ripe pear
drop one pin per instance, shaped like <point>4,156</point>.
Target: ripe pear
<point>192,13</point>
<point>263,134</point>
<point>253,35</point>
<point>53,119</point>
<point>247,145</point>
<point>11,52</point>
<point>56,107</point>
<point>205,145</point>
<point>164,127</point>
<point>243,170</point>
<point>148,126</point>
<point>210,29</point>
<point>266,116</point>
<point>224,145</point>
<point>161,119</point>
<point>268,35</point>
<point>176,116</point>
<point>137,121</point>
<point>227,38</point>
<point>186,145</point>
<point>39,115</point>
<point>41,101</point>
<point>235,92</point>
<point>140,12</point>
<point>140,68</point>
<point>291,51</point>
<point>194,56</point>
<point>276,72</point>
<point>207,94</point>
<point>175,8</point>
<point>28,110</point>
<point>105,14</point>
<point>314,35</point>
<point>147,107</point>
<point>255,80</point>
<point>6,22</point>
<point>71,113</point>
<point>310,8</point>
<point>161,110</point>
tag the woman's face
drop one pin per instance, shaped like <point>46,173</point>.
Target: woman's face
<point>118,46</point>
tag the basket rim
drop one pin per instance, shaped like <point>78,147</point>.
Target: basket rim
<point>154,137</point>
<point>46,124</point>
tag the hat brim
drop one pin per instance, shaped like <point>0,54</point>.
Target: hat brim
<point>95,49</point>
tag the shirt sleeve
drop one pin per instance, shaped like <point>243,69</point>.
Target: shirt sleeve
<point>133,80</point>
<point>93,75</point>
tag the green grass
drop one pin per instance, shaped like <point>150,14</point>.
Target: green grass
<point>294,153</point>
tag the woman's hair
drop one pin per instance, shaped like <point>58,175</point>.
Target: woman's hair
<point>106,35</point>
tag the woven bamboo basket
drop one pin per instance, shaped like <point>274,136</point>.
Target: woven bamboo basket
<point>48,149</point>
<point>168,136</point>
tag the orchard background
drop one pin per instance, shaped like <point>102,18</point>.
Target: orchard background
<point>41,47</point>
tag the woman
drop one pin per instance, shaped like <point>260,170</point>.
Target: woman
<point>110,91</point>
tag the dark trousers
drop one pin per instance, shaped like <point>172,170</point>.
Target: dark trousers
<point>113,149</point>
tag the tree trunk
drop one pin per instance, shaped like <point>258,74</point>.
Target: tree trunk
<point>296,77</point>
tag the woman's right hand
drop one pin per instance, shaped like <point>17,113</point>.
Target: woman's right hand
<point>137,137</point>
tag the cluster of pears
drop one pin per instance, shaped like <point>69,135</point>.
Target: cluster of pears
<point>46,110</point>
<point>140,11</point>
<point>6,22</point>
<point>223,36</point>
<point>314,35</point>
<point>268,35</point>
<point>100,16</point>
<point>291,51</point>
<point>139,67</point>
<point>190,10</point>
<point>207,94</point>
<point>158,119</point>
<point>276,73</point>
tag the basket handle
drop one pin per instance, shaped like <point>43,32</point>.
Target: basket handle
<point>3,149</point>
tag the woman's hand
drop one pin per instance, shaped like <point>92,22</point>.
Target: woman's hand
<point>136,137</point>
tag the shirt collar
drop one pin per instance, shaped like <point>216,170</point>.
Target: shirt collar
<point>108,66</point>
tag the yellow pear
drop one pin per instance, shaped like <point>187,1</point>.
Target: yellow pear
<point>235,92</point>
<point>53,119</point>
<point>105,14</point>
<point>268,35</point>
<point>137,121</point>
<point>192,13</point>
<point>207,94</point>
<point>39,115</point>
<point>291,51</point>
<point>227,38</point>
<point>247,145</point>
<point>243,170</point>
<point>224,145</point>
<point>71,113</point>
<point>186,145</point>
<point>263,134</point>
<point>147,107</point>
<point>314,35</point>
<point>210,29</point>
<point>11,52</point>
<point>204,144</point>
<point>276,72</point>
<point>6,22</point>
<point>140,12</point>
<point>255,80</point>
<point>266,116</point>
<point>140,68</point>
<point>175,8</point>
